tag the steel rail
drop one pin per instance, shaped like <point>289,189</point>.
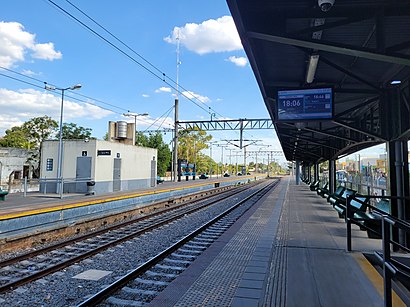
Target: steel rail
<point>96,250</point>
<point>110,228</point>
<point>121,282</point>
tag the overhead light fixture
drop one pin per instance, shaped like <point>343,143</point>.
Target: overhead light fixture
<point>395,82</point>
<point>310,75</point>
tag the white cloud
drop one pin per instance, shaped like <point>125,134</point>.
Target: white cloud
<point>145,95</point>
<point>19,106</point>
<point>46,52</point>
<point>15,43</point>
<point>192,95</point>
<point>163,90</point>
<point>238,61</point>
<point>213,35</point>
<point>29,73</point>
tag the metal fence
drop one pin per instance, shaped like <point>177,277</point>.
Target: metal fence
<point>393,268</point>
<point>33,185</point>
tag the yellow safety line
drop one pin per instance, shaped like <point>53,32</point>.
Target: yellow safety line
<point>376,279</point>
<point>100,201</point>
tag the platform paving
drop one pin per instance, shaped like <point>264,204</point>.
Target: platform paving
<point>289,251</point>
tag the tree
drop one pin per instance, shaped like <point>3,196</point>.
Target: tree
<point>30,135</point>
<point>156,141</point>
<point>16,137</point>
<point>105,137</point>
<point>141,139</point>
<point>164,154</point>
<point>73,132</point>
<point>38,129</point>
<point>191,142</point>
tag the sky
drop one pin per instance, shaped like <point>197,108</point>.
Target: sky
<point>124,54</point>
<point>131,68</point>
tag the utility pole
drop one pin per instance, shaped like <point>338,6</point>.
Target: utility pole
<point>244,159</point>
<point>175,162</point>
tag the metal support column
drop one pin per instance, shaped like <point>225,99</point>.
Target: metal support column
<point>399,174</point>
<point>316,171</point>
<point>297,172</point>
<point>332,176</point>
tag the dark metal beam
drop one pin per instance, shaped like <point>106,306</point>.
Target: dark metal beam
<point>301,138</point>
<point>334,48</point>
<point>348,72</point>
<point>366,103</point>
<point>333,135</point>
<point>307,11</point>
<point>355,90</point>
<point>401,46</point>
<point>328,25</point>
<point>359,130</point>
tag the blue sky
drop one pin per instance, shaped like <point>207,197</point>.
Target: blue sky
<point>41,42</point>
<point>38,42</point>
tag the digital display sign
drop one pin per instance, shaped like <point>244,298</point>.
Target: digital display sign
<point>305,104</point>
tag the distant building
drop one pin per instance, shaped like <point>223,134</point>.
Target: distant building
<point>113,166</point>
<point>14,166</point>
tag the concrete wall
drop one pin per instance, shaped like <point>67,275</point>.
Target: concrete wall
<point>35,223</point>
<point>13,159</point>
<point>135,164</point>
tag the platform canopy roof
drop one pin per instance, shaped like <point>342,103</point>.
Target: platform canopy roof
<point>360,47</point>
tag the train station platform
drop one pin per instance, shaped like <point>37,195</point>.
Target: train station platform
<point>289,251</point>
<point>36,213</point>
<point>17,204</point>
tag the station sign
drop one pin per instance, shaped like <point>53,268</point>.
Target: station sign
<point>105,152</point>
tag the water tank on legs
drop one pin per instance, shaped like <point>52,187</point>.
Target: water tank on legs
<point>121,130</point>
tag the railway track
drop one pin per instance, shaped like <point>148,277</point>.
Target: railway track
<point>20,270</point>
<point>144,283</point>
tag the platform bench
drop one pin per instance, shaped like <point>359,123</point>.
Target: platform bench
<point>322,190</point>
<point>3,195</point>
<point>372,222</point>
<point>314,185</point>
<point>357,204</point>
<point>341,198</point>
<point>339,202</point>
<point>339,191</point>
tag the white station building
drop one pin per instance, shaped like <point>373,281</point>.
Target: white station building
<point>113,165</point>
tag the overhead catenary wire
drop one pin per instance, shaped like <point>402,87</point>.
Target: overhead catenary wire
<point>71,97</point>
<point>51,84</point>
<point>160,75</point>
<point>165,115</point>
<point>177,85</point>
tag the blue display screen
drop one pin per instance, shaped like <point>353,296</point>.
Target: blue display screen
<point>305,104</point>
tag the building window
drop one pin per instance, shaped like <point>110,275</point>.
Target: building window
<point>17,175</point>
<point>49,165</point>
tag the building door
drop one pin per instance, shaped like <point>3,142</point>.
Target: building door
<point>153,172</point>
<point>117,175</point>
<point>82,174</point>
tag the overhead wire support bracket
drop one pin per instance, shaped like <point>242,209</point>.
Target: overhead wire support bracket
<point>228,124</point>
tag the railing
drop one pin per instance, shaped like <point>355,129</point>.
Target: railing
<point>368,187</point>
<point>392,268</point>
<point>55,181</point>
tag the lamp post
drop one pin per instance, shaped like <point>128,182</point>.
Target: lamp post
<point>60,137</point>
<point>135,115</point>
